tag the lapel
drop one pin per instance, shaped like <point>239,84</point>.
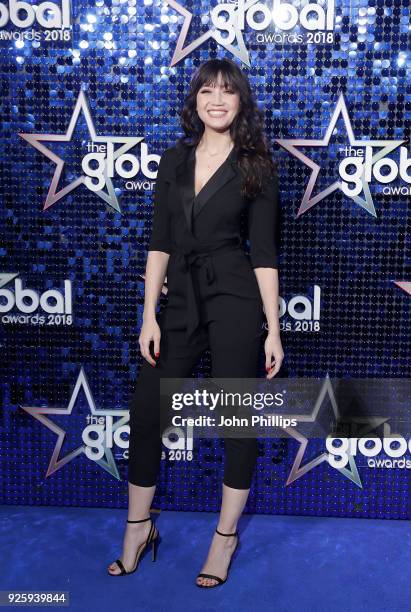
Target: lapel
<point>192,204</point>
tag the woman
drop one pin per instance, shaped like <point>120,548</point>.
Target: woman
<point>216,292</point>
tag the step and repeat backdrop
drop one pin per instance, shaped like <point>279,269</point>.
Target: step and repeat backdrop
<point>90,98</point>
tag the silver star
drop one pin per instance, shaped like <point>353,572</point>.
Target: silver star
<point>55,464</point>
<point>35,140</point>
<point>404,285</point>
<point>291,146</point>
<point>180,51</point>
<point>352,473</point>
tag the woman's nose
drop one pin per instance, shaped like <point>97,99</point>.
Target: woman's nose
<point>217,96</point>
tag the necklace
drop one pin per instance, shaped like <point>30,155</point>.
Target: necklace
<point>208,154</point>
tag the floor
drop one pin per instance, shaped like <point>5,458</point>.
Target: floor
<point>284,563</point>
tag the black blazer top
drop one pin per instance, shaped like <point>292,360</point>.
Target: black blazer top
<point>185,225</point>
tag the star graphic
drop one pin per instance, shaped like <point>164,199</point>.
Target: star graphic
<point>56,463</point>
<point>368,424</point>
<point>241,51</point>
<point>36,141</point>
<point>7,278</point>
<point>404,285</point>
<point>387,146</point>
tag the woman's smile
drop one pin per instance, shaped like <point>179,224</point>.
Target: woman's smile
<point>217,113</point>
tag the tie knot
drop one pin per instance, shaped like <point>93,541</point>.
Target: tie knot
<point>198,260</point>
<point>194,258</point>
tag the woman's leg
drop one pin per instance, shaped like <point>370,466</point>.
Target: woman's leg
<point>176,360</point>
<point>235,343</point>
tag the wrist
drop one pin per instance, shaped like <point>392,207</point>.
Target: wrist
<point>149,315</point>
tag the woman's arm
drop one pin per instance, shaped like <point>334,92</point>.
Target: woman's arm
<point>156,268</point>
<point>157,261</point>
<point>268,283</point>
<point>263,221</point>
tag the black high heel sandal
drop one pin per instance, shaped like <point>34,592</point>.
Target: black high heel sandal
<point>219,580</point>
<point>152,538</point>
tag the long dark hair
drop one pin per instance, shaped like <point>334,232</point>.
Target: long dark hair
<point>253,155</point>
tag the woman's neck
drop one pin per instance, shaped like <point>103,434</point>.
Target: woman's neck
<point>215,143</point>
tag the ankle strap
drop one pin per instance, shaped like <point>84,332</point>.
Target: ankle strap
<point>227,534</point>
<point>140,521</point>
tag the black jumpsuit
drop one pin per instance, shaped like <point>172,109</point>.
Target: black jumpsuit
<point>213,302</point>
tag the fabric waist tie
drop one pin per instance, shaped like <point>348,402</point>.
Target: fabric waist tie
<point>200,259</point>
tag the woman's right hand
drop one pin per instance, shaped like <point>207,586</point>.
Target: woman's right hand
<point>150,331</point>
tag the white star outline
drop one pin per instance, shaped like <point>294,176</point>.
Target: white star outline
<point>180,51</point>
<point>291,145</point>
<point>35,140</point>
<point>404,285</point>
<point>369,423</point>
<point>56,464</point>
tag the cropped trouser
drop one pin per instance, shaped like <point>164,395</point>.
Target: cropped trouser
<point>234,341</point>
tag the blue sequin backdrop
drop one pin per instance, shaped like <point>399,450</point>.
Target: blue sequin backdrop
<point>109,75</point>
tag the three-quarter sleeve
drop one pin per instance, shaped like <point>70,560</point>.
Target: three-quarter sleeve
<point>263,219</point>
<point>160,239</point>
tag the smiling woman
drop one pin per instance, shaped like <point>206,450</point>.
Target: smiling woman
<point>218,173</point>
<point>220,99</point>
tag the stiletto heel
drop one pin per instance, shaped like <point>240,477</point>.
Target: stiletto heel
<point>219,580</point>
<point>152,538</point>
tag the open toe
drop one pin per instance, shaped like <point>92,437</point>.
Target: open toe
<point>114,569</point>
<point>153,538</point>
<point>216,580</point>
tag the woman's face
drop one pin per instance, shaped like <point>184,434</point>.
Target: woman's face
<point>217,106</point>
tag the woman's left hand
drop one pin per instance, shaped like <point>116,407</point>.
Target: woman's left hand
<point>274,354</point>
